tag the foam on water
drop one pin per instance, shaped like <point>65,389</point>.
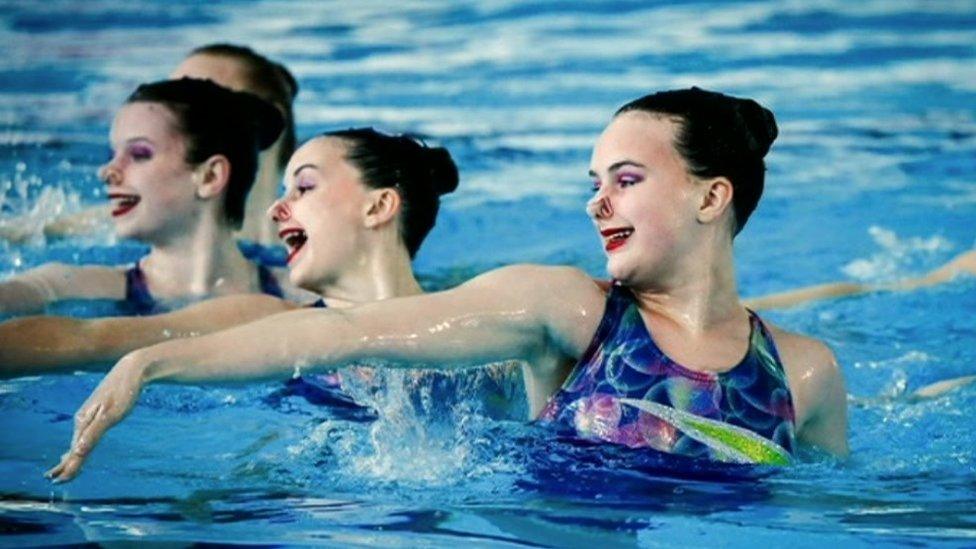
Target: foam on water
<point>898,257</point>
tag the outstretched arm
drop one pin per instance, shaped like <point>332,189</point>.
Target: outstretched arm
<point>92,220</point>
<point>790,298</point>
<point>512,313</point>
<point>48,344</point>
<point>32,290</point>
<point>498,316</point>
<point>963,263</point>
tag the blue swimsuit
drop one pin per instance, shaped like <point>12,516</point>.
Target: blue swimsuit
<point>625,390</point>
<point>140,301</point>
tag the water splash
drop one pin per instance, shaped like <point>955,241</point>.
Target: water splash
<point>898,257</point>
<point>432,428</point>
<point>28,204</point>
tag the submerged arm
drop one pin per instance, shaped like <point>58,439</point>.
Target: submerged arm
<point>47,344</point>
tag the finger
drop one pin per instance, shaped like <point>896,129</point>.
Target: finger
<point>90,429</point>
<point>83,419</point>
<point>55,473</point>
<point>67,469</point>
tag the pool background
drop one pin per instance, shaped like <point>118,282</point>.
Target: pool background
<point>872,179</point>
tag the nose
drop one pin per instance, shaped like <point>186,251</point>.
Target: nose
<point>279,211</point>
<point>110,174</point>
<point>599,207</point>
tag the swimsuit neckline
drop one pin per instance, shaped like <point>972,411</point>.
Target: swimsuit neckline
<point>676,366</point>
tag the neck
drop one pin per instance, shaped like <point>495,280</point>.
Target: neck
<point>699,291</point>
<point>381,272</point>
<point>258,227</point>
<point>202,261</point>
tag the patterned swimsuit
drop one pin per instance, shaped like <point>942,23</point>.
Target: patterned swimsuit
<point>625,390</point>
<point>140,301</point>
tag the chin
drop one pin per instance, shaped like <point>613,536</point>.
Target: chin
<point>129,233</point>
<point>617,271</point>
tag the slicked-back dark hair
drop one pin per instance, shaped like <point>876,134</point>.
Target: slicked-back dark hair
<point>216,120</point>
<point>421,174</point>
<point>718,135</point>
<point>267,79</point>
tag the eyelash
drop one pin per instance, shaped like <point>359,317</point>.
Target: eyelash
<point>303,187</point>
<point>624,180</point>
<point>140,153</point>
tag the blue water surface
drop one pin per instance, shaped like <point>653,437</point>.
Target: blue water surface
<point>872,179</point>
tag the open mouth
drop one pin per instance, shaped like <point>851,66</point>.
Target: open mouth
<point>615,238</point>
<point>294,240</point>
<point>122,203</point>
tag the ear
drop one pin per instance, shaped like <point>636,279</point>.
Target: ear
<point>716,199</point>
<point>381,207</point>
<point>213,175</point>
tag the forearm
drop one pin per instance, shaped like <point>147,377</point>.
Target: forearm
<point>49,344</point>
<point>22,297</point>
<point>37,345</point>
<point>803,295</point>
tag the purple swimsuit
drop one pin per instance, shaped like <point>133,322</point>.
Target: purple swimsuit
<point>140,301</point>
<point>625,390</point>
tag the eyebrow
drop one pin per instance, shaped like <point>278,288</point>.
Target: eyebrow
<point>132,140</point>
<point>617,165</point>
<point>302,167</point>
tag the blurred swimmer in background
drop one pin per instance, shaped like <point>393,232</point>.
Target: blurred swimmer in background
<point>184,157</point>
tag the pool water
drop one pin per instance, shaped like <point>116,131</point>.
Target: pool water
<point>873,178</point>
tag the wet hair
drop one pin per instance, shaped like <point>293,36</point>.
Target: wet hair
<point>718,135</point>
<point>421,174</point>
<point>268,80</point>
<point>216,120</point>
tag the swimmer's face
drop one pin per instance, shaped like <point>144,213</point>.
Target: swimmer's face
<point>644,202</point>
<point>151,187</point>
<point>321,217</point>
<point>226,71</point>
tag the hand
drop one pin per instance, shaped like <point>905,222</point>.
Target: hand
<point>111,401</point>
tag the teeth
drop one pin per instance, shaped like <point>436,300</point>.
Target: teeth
<point>621,235</point>
<point>295,239</point>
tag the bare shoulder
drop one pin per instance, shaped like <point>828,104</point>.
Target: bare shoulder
<point>530,274</point>
<point>794,347</point>
<point>811,370</point>
<point>566,300</point>
<point>556,286</point>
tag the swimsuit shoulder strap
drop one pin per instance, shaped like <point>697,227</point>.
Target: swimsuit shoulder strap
<point>137,295</point>
<point>764,346</point>
<point>268,282</point>
<point>618,299</point>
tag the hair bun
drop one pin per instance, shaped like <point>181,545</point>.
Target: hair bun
<point>442,169</point>
<point>265,119</point>
<point>760,125</point>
